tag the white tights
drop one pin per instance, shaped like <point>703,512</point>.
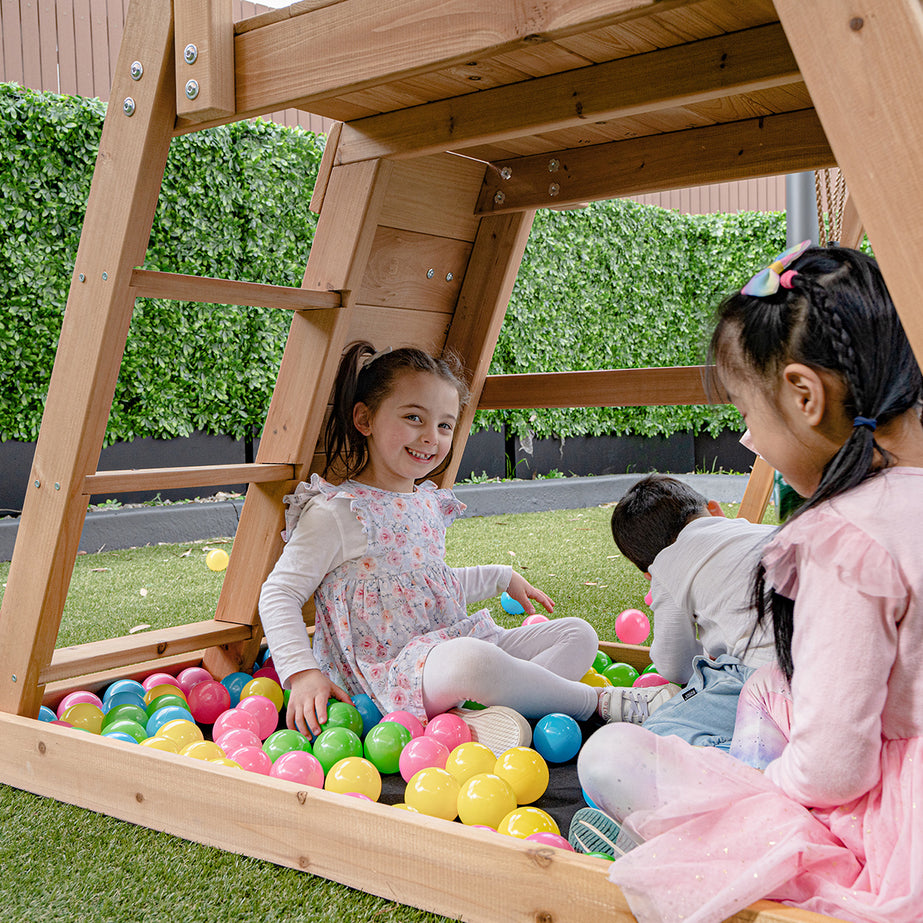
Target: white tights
<point>535,669</point>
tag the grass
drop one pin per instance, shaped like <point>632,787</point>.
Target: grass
<point>62,863</point>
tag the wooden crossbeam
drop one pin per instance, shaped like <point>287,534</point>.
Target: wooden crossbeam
<point>174,286</point>
<point>79,659</point>
<point>772,144</point>
<point>116,482</point>
<point>742,62</point>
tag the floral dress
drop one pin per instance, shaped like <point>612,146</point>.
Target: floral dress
<point>380,614</point>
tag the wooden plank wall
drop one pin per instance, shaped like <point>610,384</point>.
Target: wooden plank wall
<point>71,47</point>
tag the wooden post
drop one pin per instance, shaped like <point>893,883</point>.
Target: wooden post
<point>204,53</point>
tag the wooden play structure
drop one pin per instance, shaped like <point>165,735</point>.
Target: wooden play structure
<point>458,119</point>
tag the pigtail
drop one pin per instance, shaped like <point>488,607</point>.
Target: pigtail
<point>344,445</point>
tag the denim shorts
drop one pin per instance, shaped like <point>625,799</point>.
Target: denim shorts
<point>703,712</point>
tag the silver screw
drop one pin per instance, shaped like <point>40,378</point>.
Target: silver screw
<point>128,107</point>
<point>192,89</point>
<point>14,677</point>
<point>553,165</point>
<point>430,273</point>
<point>57,486</point>
<point>38,483</point>
<point>82,277</point>
<point>505,172</point>
<point>137,70</point>
<point>449,277</point>
<point>554,189</point>
<point>105,276</point>
<point>499,197</point>
<point>190,53</point>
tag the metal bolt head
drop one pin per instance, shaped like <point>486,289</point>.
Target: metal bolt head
<point>190,53</point>
<point>499,198</point>
<point>553,165</point>
<point>137,70</point>
<point>505,172</point>
<point>38,483</point>
<point>449,276</point>
<point>105,276</point>
<point>82,277</point>
<point>192,89</point>
<point>430,273</point>
<point>57,486</point>
<point>554,189</point>
<point>128,107</point>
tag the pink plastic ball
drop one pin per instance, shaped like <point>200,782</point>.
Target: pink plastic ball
<point>648,599</point>
<point>236,738</point>
<point>266,714</point>
<point>650,679</point>
<point>76,697</point>
<point>448,729</point>
<point>550,839</point>
<point>159,679</point>
<point>270,672</point>
<point>632,626</point>
<point>253,759</point>
<point>298,766</point>
<point>208,700</point>
<point>191,677</point>
<point>422,753</point>
<point>535,619</point>
<point>234,718</point>
<point>409,721</point>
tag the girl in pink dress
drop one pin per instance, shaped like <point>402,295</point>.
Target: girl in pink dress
<point>828,815</point>
<point>391,615</point>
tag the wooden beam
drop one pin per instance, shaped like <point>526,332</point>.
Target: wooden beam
<point>852,230</point>
<point>115,482</point>
<point>80,659</point>
<point>742,62</point>
<point>612,388</point>
<point>788,142</point>
<point>177,287</point>
<point>759,490</point>
<point>204,54</point>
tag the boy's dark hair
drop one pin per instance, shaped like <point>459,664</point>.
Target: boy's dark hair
<point>651,515</point>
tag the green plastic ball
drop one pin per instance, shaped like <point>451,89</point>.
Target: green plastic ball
<point>602,661</point>
<point>621,674</point>
<point>383,746</point>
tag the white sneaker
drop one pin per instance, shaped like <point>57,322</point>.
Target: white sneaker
<point>633,703</point>
<point>497,727</point>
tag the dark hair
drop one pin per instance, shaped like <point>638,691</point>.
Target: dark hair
<point>837,316</point>
<point>370,383</point>
<point>651,515</point>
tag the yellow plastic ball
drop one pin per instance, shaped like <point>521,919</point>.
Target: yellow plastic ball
<point>354,774</point>
<point>224,761</point>
<point>593,678</point>
<point>433,791</point>
<point>181,732</point>
<point>526,772</point>
<point>217,559</point>
<point>469,759</point>
<point>161,743</point>
<point>485,799</point>
<point>265,686</point>
<point>203,750</point>
<point>521,822</point>
<point>86,716</point>
<point>406,807</point>
<point>163,689</point>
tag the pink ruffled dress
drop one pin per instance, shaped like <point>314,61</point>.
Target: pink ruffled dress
<point>835,824</point>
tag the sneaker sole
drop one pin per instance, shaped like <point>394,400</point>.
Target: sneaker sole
<point>593,831</point>
<point>497,727</point>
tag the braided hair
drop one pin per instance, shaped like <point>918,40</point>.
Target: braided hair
<point>838,317</point>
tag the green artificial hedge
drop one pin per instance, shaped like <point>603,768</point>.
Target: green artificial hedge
<point>615,285</point>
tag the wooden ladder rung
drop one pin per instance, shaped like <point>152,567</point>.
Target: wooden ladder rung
<point>177,287</point>
<point>96,656</point>
<point>115,482</point>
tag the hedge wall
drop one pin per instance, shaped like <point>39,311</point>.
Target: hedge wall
<point>611,286</point>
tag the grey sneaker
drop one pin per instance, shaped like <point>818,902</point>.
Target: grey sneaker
<point>633,703</point>
<point>497,727</point>
<point>591,830</point>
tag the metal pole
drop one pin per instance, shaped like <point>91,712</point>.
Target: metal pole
<point>800,208</point>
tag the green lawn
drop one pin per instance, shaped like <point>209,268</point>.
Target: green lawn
<point>61,863</point>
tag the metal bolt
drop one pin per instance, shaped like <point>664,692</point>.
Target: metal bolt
<point>505,172</point>
<point>57,486</point>
<point>449,277</point>
<point>38,483</point>
<point>554,189</point>
<point>137,70</point>
<point>105,276</point>
<point>190,53</point>
<point>430,273</point>
<point>192,89</point>
<point>553,165</point>
<point>499,198</point>
<point>128,107</point>
<point>14,677</point>
<point>82,277</point>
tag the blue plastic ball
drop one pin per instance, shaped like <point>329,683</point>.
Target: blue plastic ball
<point>119,735</point>
<point>557,738</point>
<point>510,605</point>
<point>163,715</point>
<point>122,698</point>
<point>234,683</point>
<point>123,685</point>
<point>46,714</point>
<point>369,711</point>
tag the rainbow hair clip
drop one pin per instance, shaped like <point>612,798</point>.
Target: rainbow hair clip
<point>767,281</point>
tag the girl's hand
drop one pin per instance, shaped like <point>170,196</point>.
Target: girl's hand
<point>523,592</point>
<point>307,705</point>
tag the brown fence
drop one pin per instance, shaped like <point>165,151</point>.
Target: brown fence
<point>71,47</point>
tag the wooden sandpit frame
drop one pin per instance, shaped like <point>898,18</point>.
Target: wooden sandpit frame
<point>457,119</point>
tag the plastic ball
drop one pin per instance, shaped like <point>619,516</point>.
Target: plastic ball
<point>265,712</point>
<point>226,761</point>
<point>588,799</point>
<point>592,678</point>
<point>336,744</point>
<point>120,735</point>
<point>535,619</point>
<point>600,855</point>
<point>557,738</point>
<point>234,682</point>
<point>343,715</point>
<point>420,753</point>
<point>163,689</point>
<point>285,741</point>
<point>449,729</point>
<point>207,700</point>
<point>547,838</point>
<point>162,701</point>
<point>524,821</point>
<point>354,775</point>
<point>133,729</point>
<point>601,661</point>
<point>216,560</point>
<point>268,672</point>
<point>632,626</point>
<point>235,738</point>
<point>84,715</point>
<point>203,750</point>
<point>46,714</point>
<point>266,687</point>
<point>620,674</point>
<point>648,599</point>
<point>160,743</point>
<point>181,731</point>
<point>405,807</point>
<point>383,745</point>
<point>163,716</point>
<point>469,759</point>
<point>650,679</point>
<point>130,711</point>
<point>526,772</point>
<point>434,792</point>
<point>299,766</point>
<point>409,721</point>
<point>369,711</point>
<point>122,698</point>
<point>253,759</point>
<point>191,677</point>
<point>485,799</point>
<point>650,668</point>
<point>124,685</point>
<point>235,718</point>
<point>158,679</point>
<point>511,605</point>
<point>74,698</point>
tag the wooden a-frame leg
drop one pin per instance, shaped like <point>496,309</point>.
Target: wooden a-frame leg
<point>123,196</point>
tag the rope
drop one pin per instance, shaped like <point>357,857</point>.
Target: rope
<point>830,192</point>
